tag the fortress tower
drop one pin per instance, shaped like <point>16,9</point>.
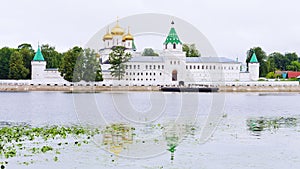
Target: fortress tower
<point>253,66</point>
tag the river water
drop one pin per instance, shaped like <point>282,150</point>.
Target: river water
<point>209,129</point>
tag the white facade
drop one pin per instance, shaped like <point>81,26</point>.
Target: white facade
<point>39,73</point>
<point>172,66</point>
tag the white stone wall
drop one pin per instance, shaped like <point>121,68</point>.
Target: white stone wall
<point>37,70</point>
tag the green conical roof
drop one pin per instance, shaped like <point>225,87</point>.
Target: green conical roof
<point>38,55</point>
<point>253,58</point>
<point>172,37</point>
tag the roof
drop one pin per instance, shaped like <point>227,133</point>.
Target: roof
<point>209,60</point>
<point>292,74</point>
<point>172,37</point>
<point>147,59</point>
<point>253,58</point>
<point>38,55</point>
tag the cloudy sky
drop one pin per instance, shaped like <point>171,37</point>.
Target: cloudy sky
<point>231,26</point>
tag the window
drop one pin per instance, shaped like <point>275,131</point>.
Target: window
<point>130,73</point>
<point>134,66</point>
<point>138,73</point>
<point>162,66</point>
<point>186,67</point>
<point>126,66</point>
<point>166,46</point>
<point>210,67</point>
<point>160,74</point>
<point>206,67</point>
<point>153,66</point>
<point>146,74</point>
<point>190,66</point>
<point>158,66</point>
<point>150,67</point>
<point>142,73</point>
<point>133,73</point>
<point>171,62</point>
<point>128,43</point>
<point>129,66</point>
<point>146,66</point>
<point>154,74</point>
<point>150,74</point>
<point>126,73</point>
<point>202,66</point>
<point>198,67</point>
<point>194,66</point>
<point>174,46</point>
<point>178,62</point>
<point>138,66</point>
<point>214,67</point>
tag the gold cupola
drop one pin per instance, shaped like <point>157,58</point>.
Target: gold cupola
<point>107,36</point>
<point>117,30</point>
<point>128,36</point>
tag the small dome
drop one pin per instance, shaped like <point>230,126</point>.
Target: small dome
<point>107,36</point>
<point>128,36</point>
<point>117,30</point>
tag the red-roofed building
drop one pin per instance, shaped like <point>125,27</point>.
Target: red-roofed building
<point>292,74</point>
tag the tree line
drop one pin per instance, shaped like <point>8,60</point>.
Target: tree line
<point>273,62</point>
<point>75,65</point>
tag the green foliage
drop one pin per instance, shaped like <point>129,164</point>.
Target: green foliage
<point>117,59</point>
<point>5,54</point>
<point>190,50</point>
<point>52,57</point>
<point>294,66</point>
<point>69,63</point>
<point>261,57</point>
<point>17,70</point>
<point>91,66</point>
<point>27,54</point>
<point>81,64</point>
<point>149,52</point>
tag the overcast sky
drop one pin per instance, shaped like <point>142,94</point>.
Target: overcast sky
<point>231,26</point>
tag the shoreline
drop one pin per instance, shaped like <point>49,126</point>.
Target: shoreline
<point>78,89</point>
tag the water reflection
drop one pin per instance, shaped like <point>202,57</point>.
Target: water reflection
<point>118,137</point>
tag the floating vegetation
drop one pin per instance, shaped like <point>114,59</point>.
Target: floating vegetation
<point>25,140</point>
<point>271,123</point>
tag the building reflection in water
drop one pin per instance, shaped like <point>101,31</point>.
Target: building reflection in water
<point>117,136</point>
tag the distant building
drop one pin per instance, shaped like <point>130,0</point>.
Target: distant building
<point>293,74</point>
<point>40,74</point>
<point>172,65</point>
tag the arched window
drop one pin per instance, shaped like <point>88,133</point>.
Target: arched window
<point>174,75</point>
<point>174,46</point>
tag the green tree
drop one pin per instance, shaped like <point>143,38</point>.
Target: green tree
<point>17,70</point>
<point>191,50</point>
<point>117,59</point>
<point>53,57</point>
<point>149,52</point>
<point>72,61</point>
<point>261,57</point>
<point>294,66</point>
<point>27,53</point>
<point>5,54</point>
<point>91,66</point>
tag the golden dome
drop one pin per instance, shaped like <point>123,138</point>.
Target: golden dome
<point>128,36</point>
<point>117,30</point>
<point>107,36</point>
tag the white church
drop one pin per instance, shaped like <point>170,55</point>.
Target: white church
<point>172,65</point>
